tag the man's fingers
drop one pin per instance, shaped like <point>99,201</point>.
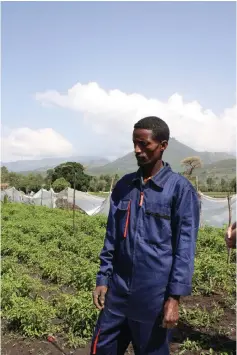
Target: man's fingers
<point>102,298</point>
<point>164,324</point>
<point>169,324</point>
<point>99,297</point>
<point>96,300</point>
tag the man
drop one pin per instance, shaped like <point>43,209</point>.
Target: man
<point>147,260</point>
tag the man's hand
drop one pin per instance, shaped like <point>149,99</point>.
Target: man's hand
<point>99,296</point>
<point>230,237</point>
<point>171,313</point>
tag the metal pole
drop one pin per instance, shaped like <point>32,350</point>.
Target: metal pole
<point>74,198</point>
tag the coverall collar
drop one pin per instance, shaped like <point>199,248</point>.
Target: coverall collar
<point>159,179</point>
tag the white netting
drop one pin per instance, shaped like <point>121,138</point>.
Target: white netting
<point>84,201</point>
<point>40,198</point>
<point>12,194</point>
<point>104,208</point>
<point>214,211</point>
<point>45,198</point>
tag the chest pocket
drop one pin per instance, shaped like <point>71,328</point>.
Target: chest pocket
<point>123,218</point>
<point>158,223</point>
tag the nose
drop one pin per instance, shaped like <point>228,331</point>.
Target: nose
<point>137,149</point>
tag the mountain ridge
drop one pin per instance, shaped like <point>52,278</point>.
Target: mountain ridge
<point>175,152</point>
<point>49,163</point>
<point>95,165</point>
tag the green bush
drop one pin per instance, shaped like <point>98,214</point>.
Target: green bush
<point>48,273</point>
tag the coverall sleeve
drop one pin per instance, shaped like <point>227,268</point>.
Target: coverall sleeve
<point>107,253</point>
<point>186,224</point>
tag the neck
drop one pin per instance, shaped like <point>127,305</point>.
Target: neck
<point>148,171</point>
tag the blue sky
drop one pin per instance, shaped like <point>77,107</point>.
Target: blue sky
<point>153,49</point>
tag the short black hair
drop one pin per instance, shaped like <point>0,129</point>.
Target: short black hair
<point>159,128</point>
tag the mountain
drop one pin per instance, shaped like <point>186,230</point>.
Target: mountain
<point>175,152</point>
<point>227,164</point>
<point>42,165</point>
<point>225,169</point>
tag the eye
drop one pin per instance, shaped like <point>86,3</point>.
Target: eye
<point>141,143</point>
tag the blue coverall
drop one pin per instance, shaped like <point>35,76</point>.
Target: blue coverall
<point>148,255</point>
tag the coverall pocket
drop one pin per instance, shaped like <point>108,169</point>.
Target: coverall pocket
<point>158,211</point>
<point>158,222</point>
<point>123,217</point>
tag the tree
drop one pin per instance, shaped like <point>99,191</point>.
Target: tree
<point>48,179</point>
<point>210,183</point>
<point>60,184</point>
<point>32,182</point>
<point>203,188</point>
<point>224,185</point>
<point>191,163</point>
<point>101,185</point>
<point>16,180</point>
<point>71,170</point>
<point>233,185</point>
<point>93,186</point>
<point>4,174</point>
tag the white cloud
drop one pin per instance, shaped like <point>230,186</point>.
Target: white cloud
<point>113,113</point>
<point>26,143</point>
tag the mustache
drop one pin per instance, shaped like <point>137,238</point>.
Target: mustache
<point>139,156</point>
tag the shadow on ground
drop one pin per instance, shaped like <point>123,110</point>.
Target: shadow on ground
<point>218,342</point>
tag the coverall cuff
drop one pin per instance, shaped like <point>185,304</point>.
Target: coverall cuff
<point>102,280</point>
<point>176,288</point>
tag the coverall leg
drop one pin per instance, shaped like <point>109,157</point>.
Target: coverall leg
<point>114,332</point>
<point>149,338</point>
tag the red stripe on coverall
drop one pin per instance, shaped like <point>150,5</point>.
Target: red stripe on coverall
<point>95,342</point>
<point>127,220</point>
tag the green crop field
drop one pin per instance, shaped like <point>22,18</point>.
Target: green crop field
<point>100,194</point>
<point>48,275</point>
<point>217,194</point>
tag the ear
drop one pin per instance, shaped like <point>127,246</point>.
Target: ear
<point>164,145</point>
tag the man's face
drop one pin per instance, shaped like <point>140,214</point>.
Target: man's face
<point>147,149</point>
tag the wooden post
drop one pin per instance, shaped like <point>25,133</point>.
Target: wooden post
<point>74,199</point>
<point>41,196</point>
<point>111,186</point>
<point>200,206</point>
<point>229,224</point>
<point>197,182</point>
<point>229,208</point>
<point>68,199</point>
<point>51,198</point>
